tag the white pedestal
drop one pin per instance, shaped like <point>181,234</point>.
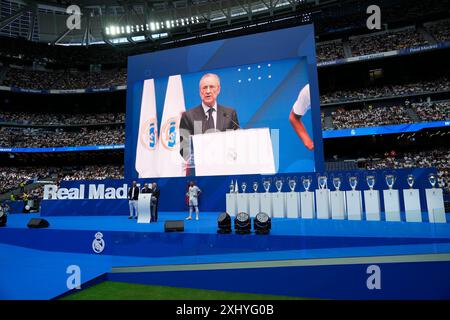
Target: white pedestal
<point>292,204</point>
<point>391,205</point>
<point>435,205</point>
<point>323,203</point>
<point>231,204</point>
<point>354,205</point>
<point>242,202</point>
<point>337,205</point>
<point>254,204</point>
<point>413,211</point>
<point>372,205</point>
<point>278,204</point>
<point>307,205</point>
<point>144,208</point>
<point>266,203</point>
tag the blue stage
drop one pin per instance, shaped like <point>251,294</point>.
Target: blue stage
<point>309,251</point>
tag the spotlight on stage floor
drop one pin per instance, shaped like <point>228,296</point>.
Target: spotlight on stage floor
<point>224,223</point>
<point>262,223</point>
<point>242,223</point>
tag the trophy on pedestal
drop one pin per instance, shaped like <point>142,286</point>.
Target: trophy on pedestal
<point>255,186</point>
<point>322,181</point>
<point>432,180</point>
<point>231,186</point>
<point>266,184</point>
<point>354,200</point>
<point>307,200</point>
<point>413,212</point>
<point>353,181</point>
<point>337,200</point>
<point>390,180</point>
<point>370,182</point>
<point>435,201</point>
<point>279,184</point>
<point>372,200</point>
<point>244,186</point>
<point>391,200</point>
<point>306,183</point>
<point>410,180</point>
<point>292,182</point>
<point>337,183</point>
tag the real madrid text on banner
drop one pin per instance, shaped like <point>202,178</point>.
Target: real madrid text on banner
<point>170,162</point>
<point>147,143</point>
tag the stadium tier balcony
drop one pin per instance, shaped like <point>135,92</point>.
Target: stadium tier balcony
<point>62,119</point>
<point>41,138</point>
<point>405,89</point>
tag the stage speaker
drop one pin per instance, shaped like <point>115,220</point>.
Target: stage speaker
<point>174,225</point>
<point>38,223</point>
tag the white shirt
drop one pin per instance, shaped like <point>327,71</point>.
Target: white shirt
<point>193,192</point>
<point>303,103</point>
<point>214,113</point>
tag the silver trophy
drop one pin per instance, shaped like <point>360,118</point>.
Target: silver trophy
<point>390,180</point>
<point>292,183</point>
<point>231,186</point>
<point>322,180</point>
<point>432,179</point>
<point>337,183</point>
<point>410,180</point>
<point>244,186</point>
<point>255,186</point>
<point>266,184</point>
<point>279,184</point>
<point>306,183</point>
<point>353,181</point>
<point>370,182</point>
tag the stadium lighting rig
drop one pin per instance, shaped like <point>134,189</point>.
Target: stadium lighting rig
<point>154,26</point>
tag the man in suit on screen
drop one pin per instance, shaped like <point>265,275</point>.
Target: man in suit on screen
<point>207,117</point>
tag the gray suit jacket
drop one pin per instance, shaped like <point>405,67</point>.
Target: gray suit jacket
<point>226,120</point>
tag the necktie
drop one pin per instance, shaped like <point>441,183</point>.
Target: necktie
<point>210,121</point>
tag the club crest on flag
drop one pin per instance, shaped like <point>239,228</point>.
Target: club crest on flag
<point>149,135</point>
<point>169,133</point>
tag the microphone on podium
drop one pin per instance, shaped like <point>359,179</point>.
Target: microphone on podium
<point>226,115</point>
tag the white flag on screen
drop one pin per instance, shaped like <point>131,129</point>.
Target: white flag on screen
<point>147,142</point>
<point>170,162</point>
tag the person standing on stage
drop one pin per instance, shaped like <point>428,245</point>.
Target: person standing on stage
<point>193,193</point>
<point>146,189</point>
<point>133,195</point>
<point>154,202</point>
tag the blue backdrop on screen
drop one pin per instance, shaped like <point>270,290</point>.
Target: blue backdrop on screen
<point>261,76</point>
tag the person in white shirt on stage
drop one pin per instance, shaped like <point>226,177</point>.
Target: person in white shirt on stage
<point>193,193</point>
<point>133,195</point>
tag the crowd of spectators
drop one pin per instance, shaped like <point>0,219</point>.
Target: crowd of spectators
<point>387,115</point>
<point>440,30</point>
<point>40,138</point>
<point>369,117</point>
<point>437,85</point>
<point>392,40</point>
<point>432,111</point>
<point>439,158</point>
<point>11,178</point>
<point>329,51</point>
<point>60,118</point>
<point>63,80</point>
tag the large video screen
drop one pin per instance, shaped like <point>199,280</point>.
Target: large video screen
<point>245,105</point>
